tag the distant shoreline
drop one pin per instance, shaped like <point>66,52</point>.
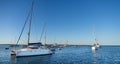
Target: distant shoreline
<point>66,45</point>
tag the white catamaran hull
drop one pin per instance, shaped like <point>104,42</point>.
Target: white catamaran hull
<point>32,52</point>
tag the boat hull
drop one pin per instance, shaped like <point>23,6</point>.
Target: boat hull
<point>33,55</point>
<point>32,52</point>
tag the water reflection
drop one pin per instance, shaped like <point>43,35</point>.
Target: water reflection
<point>95,57</point>
<point>31,60</point>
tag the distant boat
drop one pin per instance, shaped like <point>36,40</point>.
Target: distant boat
<point>31,50</point>
<point>96,45</point>
<point>6,48</point>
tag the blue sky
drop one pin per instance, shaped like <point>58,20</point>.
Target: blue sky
<point>74,21</point>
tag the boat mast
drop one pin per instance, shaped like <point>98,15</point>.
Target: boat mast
<point>29,30</point>
<point>45,34</point>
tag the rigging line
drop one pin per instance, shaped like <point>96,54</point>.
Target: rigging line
<point>42,31</point>
<point>23,28</point>
<point>45,37</point>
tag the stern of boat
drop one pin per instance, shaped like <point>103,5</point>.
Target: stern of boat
<point>13,52</point>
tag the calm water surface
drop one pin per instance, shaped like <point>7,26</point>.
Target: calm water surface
<point>68,55</point>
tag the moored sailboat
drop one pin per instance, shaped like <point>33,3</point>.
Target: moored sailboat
<point>96,45</point>
<point>30,50</point>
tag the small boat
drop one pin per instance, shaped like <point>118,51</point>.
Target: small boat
<point>30,50</point>
<point>96,45</point>
<point>6,48</point>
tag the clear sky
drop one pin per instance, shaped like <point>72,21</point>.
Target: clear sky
<point>74,21</point>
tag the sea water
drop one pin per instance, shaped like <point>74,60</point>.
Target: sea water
<point>66,55</point>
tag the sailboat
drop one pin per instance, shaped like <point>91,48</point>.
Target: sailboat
<point>96,45</point>
<point>30,50</point>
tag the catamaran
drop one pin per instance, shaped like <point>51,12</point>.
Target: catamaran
<point>30,50</point>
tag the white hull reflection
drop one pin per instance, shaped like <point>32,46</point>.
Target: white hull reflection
<point>31,60</point>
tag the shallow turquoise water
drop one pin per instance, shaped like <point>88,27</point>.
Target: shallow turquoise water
<point>68,55</point>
